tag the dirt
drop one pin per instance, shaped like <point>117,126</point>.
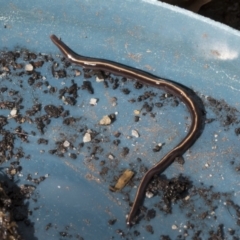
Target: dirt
<point>178,190</point>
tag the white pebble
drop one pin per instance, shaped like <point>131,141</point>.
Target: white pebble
<point>93,101</point>
<point>66,144</point>
<point>64,100</point>
<point>187,198</point>
<point>99,79</point>
<point>135,133</point>
<point>13,112</point>
<point>149,194</point>
<point>174,227</point>
<point>110,156</point>
<point>77,73</point>
<point>29,67</point>
<point>87,137</point>
<point>136,112</point>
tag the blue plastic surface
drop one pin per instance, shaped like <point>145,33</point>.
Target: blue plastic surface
<point>164,40</point>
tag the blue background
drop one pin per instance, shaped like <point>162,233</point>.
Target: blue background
<point>164,40</point>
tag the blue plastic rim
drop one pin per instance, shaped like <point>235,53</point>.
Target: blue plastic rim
<point>164,40</point>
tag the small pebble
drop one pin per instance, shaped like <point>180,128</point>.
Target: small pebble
<point>13,112</point>
<point>187,198</point>
<point>149,194</point>
<point>93,101</point>
<point>174,227</point>
<point>136,112</point>
<point>72,155</point>
<point>106,120</point>
<point>66,144</point>
<point>135,133</point>
<point>87,137</point>
<point>6,69</point>
<point>158,147</point>
<point>77,73</point>
<point>114,101</point>
<point>110,156</point>
<point>63,98</point>
<point>29,67</point>
<point>13,171</point>
<point>117,134</point>
<point>98,79</point>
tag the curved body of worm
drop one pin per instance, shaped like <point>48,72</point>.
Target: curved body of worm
<point>186,95</point>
